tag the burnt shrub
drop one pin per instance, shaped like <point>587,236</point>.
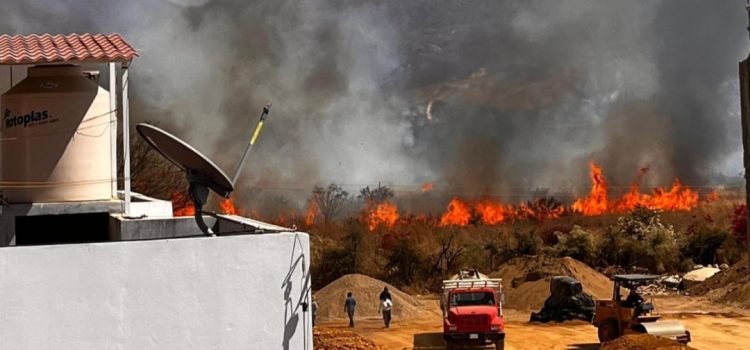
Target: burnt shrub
<point>404,264</point>
<point>527,243</point>
<point>739,224</point>
<point>334,263</point>
<point>702,245</point>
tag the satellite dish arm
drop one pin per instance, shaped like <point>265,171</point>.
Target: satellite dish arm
<point>266,110</point>
<point>199,194</point>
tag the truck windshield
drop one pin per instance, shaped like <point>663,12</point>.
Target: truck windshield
<point>472,298</point>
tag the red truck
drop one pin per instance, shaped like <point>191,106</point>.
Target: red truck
<point>472,310</point>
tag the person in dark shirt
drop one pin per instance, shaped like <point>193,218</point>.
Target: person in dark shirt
<point>385,294</point>
<point>314,307</point>
<point>349,305</point>
<point>633,300</point>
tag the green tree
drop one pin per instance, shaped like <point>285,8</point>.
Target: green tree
<point>578,244</point>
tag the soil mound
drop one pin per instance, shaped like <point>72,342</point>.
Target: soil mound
<point>727,287</point>
<point>526,280</point>
<point>335,339</point>
<point>366,291</point>
<point>643,342</point>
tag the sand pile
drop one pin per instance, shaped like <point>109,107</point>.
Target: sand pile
<point>527,279</point>
<point>367,292</point>
<point>335,339</point>
<point>643,342</point>
<point>728,287</point>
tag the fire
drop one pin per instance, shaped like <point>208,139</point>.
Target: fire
<point>596,202</point>
<point>181,205</point>
<point>492,213</point>
<point>677,198</point>
<point>427,187</point>
<point>385,214</point>
<point>713,196</point>
<point>311,212</point>
<point>227,207</point>
<point>458,213</point>
<point>541,209</point>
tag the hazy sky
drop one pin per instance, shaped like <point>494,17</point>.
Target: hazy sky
<point>524,93</point>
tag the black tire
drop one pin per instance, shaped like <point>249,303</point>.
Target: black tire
<point>500,344</point>
<point>608,331</point>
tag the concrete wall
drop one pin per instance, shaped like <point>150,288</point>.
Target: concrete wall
<point>152,228</point>
<point>235,292</point>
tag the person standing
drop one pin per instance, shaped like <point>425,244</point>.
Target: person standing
<point>385,294</point>
<point>385,307</point>
<point>314,307</point>
<point>349,305</point>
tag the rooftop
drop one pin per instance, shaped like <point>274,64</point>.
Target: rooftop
<point>47,48</point>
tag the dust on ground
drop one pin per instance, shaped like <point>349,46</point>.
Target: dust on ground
<point>336,339</point>
<point>526,279</point>
<point>366,291</point>
<point>643,342</point>
<point>711,327</point>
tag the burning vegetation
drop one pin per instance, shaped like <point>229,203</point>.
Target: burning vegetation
<point>677,198</point>
<point>379,211</point>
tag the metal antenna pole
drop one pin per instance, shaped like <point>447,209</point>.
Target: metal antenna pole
<point>250,144</point>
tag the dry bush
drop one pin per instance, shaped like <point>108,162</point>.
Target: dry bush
<point>151,174</point>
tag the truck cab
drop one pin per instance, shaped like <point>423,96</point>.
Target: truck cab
<point>472,312</point>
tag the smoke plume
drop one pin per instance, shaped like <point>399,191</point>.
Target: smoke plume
<point>522,93</point>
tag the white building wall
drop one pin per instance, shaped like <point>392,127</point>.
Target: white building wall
<point>236,292</point>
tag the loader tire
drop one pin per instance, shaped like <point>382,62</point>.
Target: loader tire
<point>608,331</point>
<point>500,344</point>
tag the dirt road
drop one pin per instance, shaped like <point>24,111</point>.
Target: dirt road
<point>712,327</point>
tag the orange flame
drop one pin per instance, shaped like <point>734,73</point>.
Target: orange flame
<point>311,212</point>
<point>678,198</point>
<point>227,207</point>
<point>713,196</point>
<point>458,213</point>
<point>537,211</point>
<point>427,187</point>
<point>385,214</point>
<point>633,197</point>
<point>181,205</point>
<point>596,202</point>
<point>493,213</point>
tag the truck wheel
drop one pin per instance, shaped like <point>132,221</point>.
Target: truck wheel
<point>500,344</point>
<point>608,331</point>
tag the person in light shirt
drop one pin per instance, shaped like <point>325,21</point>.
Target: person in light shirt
<point>385,307</point>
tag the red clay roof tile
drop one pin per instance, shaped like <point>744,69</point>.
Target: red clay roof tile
<point>46,48</point>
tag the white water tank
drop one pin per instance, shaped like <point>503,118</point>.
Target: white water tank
<point>55,138</point>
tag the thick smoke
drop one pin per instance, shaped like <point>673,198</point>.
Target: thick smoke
<point>523,92</point>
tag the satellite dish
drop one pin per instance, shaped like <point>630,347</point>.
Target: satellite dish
<point>202,173</point>
<point>187,158</point>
